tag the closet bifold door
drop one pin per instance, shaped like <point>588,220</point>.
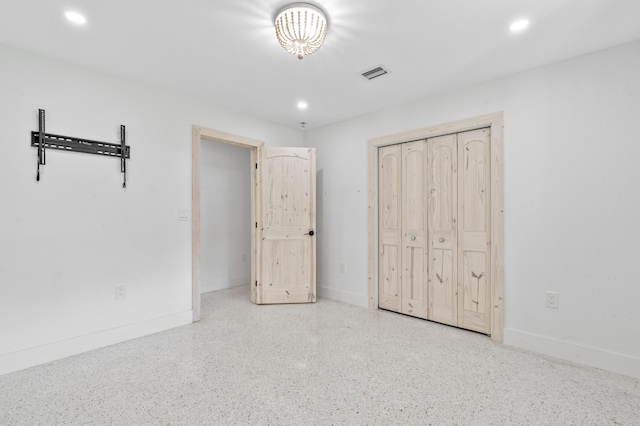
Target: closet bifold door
<point>474,230</point>
<point>414,230</point>
<point>389,228</point>
<point>442,195</point>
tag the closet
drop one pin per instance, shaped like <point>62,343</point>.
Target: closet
<point>434,229</point>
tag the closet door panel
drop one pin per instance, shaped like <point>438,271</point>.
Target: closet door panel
<point>414,277</point>
<point>442,287</point>
<point>475,181</point>
<point>414,288</point>
<point>389,219</point>
<point>442,226</point>
<point>474,280</point>
<point>473,236</point>
<point>389,297</point>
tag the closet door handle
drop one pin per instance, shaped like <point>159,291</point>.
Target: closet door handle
<point>310,233</point>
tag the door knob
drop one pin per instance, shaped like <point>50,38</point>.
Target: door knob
<point>310,233</point>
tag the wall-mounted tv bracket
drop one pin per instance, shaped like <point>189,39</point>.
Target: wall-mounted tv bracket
<point>43,140</point>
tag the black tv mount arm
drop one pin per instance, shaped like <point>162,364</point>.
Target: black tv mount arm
<point>43,140</point>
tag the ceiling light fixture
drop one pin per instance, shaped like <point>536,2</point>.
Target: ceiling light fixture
<point>76,18</point>
<point>302,105</point>
<point>301,28</point>
<point>519,25</point>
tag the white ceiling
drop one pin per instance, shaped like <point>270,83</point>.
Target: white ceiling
<point>225,51</point>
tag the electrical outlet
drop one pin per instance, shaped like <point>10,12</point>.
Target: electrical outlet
<point>184,215</point>
<point>552,299</point>
<point>343,268</point>
<point>121,292</point>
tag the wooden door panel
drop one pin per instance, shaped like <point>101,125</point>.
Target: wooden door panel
<point>412,185</point>
<point>389,198</point>
<point>414,230</point>
<point>286,281</point>
<point>414,283</point>
<point>287,191</point>
<point>287,248</point>
<point>475,163</point>
<point>442,221</point>
<point>389,177</point>
<point>474,280</point>
<point>473,263</point>
<point>442,188</point>
<point>443,286</point>
<point>389,288</point>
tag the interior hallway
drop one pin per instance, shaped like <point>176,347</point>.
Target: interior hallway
<point>323,364</point>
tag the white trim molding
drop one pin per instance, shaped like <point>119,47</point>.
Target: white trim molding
<point>569,351</point>
<point>43,354</point>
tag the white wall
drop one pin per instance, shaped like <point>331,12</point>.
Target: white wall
<point>225,211</point>
<point>572,201</point>
<point>67,241</point>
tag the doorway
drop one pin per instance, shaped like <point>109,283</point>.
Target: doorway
<point>201,134</point>
<point>225,216</point>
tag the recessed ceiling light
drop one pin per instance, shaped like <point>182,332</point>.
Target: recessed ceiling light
<point>76,18</point>
<point>302,105</point>
<point>519,25</point>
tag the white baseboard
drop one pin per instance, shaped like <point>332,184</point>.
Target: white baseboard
<point>206,287</point>
<point>610,361</point>
<point>30,357</point>
<point>343,296</point>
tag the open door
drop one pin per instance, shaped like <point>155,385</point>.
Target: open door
<point>286,222</point>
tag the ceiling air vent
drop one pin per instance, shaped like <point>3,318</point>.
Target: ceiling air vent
<point>375,72</point>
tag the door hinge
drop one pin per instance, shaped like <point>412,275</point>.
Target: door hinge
<point>256,225</point>
<point>256,283</point>
<point>256,166</point>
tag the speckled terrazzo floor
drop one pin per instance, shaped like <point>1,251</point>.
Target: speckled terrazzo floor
<point>322,364</point>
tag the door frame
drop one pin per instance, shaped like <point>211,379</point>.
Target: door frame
<point>255,146</point>
<point>495,122</point>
